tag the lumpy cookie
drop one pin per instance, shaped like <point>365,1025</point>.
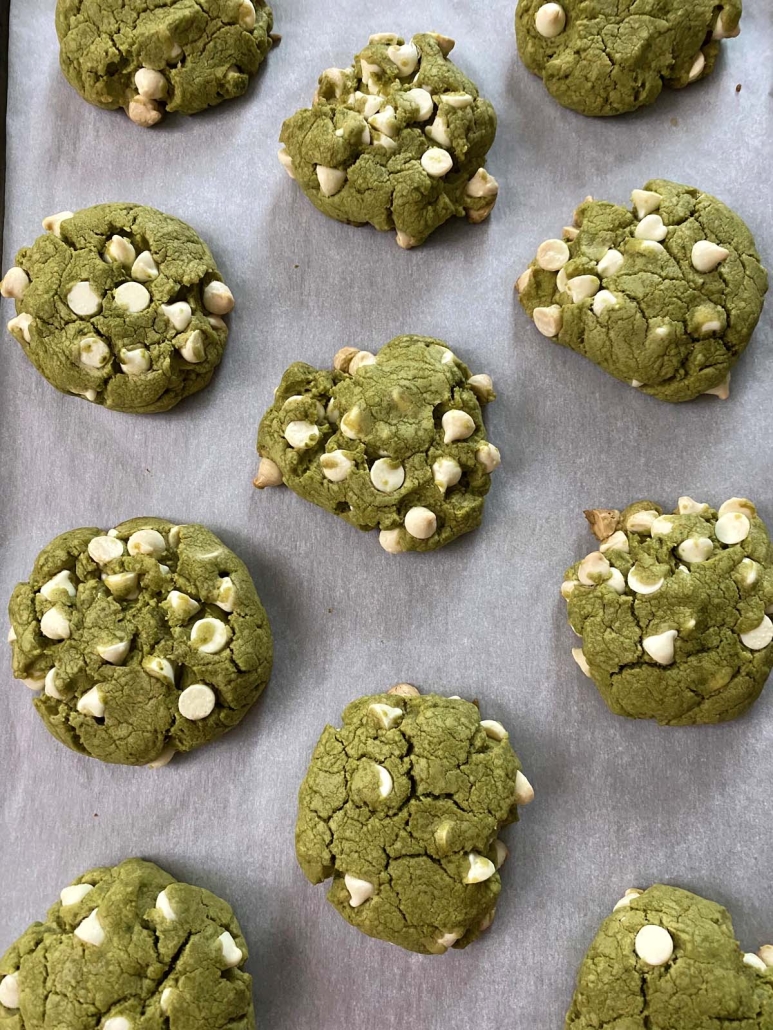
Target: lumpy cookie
<point>602,58</point>
<point>666,959</point>
<point>673,610</point>
<point>152,56</point>
<point>393,441</point>
<point>122,305</point>
<point>145,640</point>
<point>129,948</point>
<point>664,297</point>
<point>402,806</point>
<point>398,140</point>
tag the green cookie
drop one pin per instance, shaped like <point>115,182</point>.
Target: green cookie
<point>605,57</point>
<point>394,442</point>
<point>664,298</point>
<point>398,140</point>
<point>122,305</point>
<point>147,640</point>
<point>173,55</point>
<point>402,807</point>
<point>666,959</point>
<point>129,948</point>
<point>672,610</point>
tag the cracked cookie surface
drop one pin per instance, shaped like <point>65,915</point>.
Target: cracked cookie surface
<point>398,140</point>
<point>402,807</point>
<point>665,297</point>
<point>673,610</point>
<point>603,58</point>
<point>152,56</point>
<point>146,640</point>
<point>393,441</point>
<point>666,959</point>
<point>129,948</point>
<point>121,305</point>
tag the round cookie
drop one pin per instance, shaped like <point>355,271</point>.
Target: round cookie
<point>122,305</point>
<point>398,140</point>
<point>665,297</point>
<point>666,958</point>
<point>605,59</point>
<point>145,640</point>
<point>171,55</point>
<point>393,441</point>
<point>402,807</point>
<point>129,948</point>
<point>672,610</point>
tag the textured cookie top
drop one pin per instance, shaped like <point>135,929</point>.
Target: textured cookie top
<point>666,959</point>
<point>145,640</point>
<point>152,56</point>
<point>402,807</point>
<point>120,304</point>
<point>398,140</point>
<point>393,441</point>
<point>672,610</point>
<point>126,948</point>
<point>602,58</point>
<point>664,297</point>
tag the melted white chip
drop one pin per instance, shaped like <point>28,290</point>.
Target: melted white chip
<point>210,635</point>
<point>385,781</point>
<point>687,506</point>
<point>757,639</point>
<point>150,84</point>
<point>360,360</point>
<point>641,521</point>
<point>93,352</point>
<point>182,604</point>
<point>437,162</point>
<point>192,348</point>
<point>360,891</point>
<point>480,868</point>
<point>438,131</point>
<point>179,314</point>
<point>61,581</point>
<point>164,905</point>
<point>660,647</point>
<point>132,297</point>
<point>336,466</point>
<point>144,268</point>
<point>385,715</point>
<point>695,549</point>
<point>740,504</point>
<point>196,702</point>
<point>9,991</point>
<point>90,930</point>
<point>390,541</point>
<point>55,625</point>
<point>582,287</point>
<point>654,945</point>
<point>247,16</point>
<point>457,425</point>
<point>493,729</point>
<point>604,301</point>
<point>406,57</point>
<point>159,669</point>
<point>135,362</point>
<point>83,300</point>
<point>552,255</point>
<point>387,475</point>
<point>593,569</point>
<point>232,954</point>
<point>302,435</point>
<point>226,594</point>
<point>115,654</point>
<point>123,584</point>
<point>642,582</point>
<point>423,102</point>
<point>732,528</point>
<point>163,759</point>
<point>617,542</point>
<point>218,298</point>
<point>15,283</point>
<point>75,894</point>
<point>166,997</point>
<point>449,939</point>
<point>146,541</point>
<point>21,324</point>
<point>421,523</point>
<point>662,525</point>
<point>53,223</point>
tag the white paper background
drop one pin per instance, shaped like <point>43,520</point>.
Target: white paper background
<point>619,803</point>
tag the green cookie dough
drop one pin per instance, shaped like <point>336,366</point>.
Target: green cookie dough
<point>665,298</point>
<point>145,641</point>
<point>398,140</point>
<point>129,948</point>
<point>666,959</point>
<point>148,56</point>
<point>402,806</point>
<point>394,441</point>
<point>602,58</point>
<point>672,610</point>
<point>122,305</point>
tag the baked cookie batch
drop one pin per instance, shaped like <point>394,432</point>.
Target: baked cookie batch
<point>148,638</point>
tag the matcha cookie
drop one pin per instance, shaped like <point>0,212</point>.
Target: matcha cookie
<point>672,610</point>
<point>664,297</point>
<point>165,55</point>
<point>603,58</point>
<point>129,948</point>
<point>393,441</point>
<point>402,807</point>
<point>398,140</point>
<point>122,305</point>
<point>666,959</point>
<point>145,640</point>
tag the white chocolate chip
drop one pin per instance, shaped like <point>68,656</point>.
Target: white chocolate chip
<point>662,525</point>
<point>132,297</point>
<point>360,360</point>
<point>766,954</point>
<point>115,654</point>
<point>567,588</point>
<point>582,661</point>
<point>457,425</point>
<point>385,715</point>
<point>722,391</point>
<point>178,314</point>
<point>34,684</point>
<point>687,506</point>
<point>645,202</point>
<point>660,647</point>
<point>123,584</point>
<point>196,702</point>
<point>758,639</point>
<point>482,386</point>
<point>53,223</point>
<point>695,549</point>
<point>421,523</point>
<point>117,1023</point>
<point>49,686</point>
<point>524,792</point>
<point>750,959</point>
<point>164,1001</point>
<point>593,569</point>
<point>732,528</point>
<point>406,57</point>
<point>651,227</point>
<point>9,991</point>
<point>232,954</point>
<point>385,781</point>
<point>625,901</point>
<point>159,669</point>
<point>144,112</point>
<point>55,625</point>
<point>150,84</point>
<point>144,268</point>
<point>301,435</point>
<point>617,542</point>
<point>488,456</point>
<point>548,320</point>
<point>457,100</point>
<point>360,891</point>
<point>741,504</point>
<point>603,300</point>
<point>226,594</point>
<point>135,362</point>
<point>722,32</point>
<point>83,300</point>
<point>163,759</point>
<point>15,283</point>
<point>385,123</point>
<point>93,352</point>
<point>146,541</point>
<point>654,945</point>
<point>90,930</point>
<point>391,541</point>
<point>523,280</point>
<point>383,37</point>
<point>75,894</point>
<point>423,102</point>
<point>387,475</point>
<point>61,581</point>
<point>336,466</point>
<point>697,67</point>
<point>286,162</point>
<point>192,347</point>
<point>641,521</point>
<point>92,704</point>
<point>482,185</point>
<point>493,729</point>
<point>331,180</point>
<point>642,583</point>
<point>247,15</point>
<point>120,250</point>
<point>550,20</point>
<point>436,162</point>
<point>480,870</point>
<point>21,324</point>
<point>610,264</point>
<point>616,581</point>
<point>164,905</point>
<point>500,852</point>
<point>269,474</point>
<point>446,472</point>
<point>438,131</point>
<point>552,255</point>
<point>449,939</point>
<point>218,298</point>
<point>182,605</point>
<point>707,256</point>
<point>582,287</point>
<point>210,635</point>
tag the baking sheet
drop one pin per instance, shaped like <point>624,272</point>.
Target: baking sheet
<point>619,803</point>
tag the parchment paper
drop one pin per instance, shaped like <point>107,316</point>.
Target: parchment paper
<point>619,803</point>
